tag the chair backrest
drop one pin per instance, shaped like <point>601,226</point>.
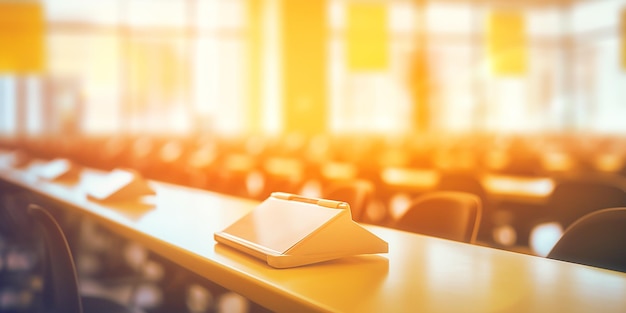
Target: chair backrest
<point>573,199</point>
<point>461,181</point>
<point>446,214</point>
<point>357,193</point>
<point>60,278</point>
<point>597,239</point>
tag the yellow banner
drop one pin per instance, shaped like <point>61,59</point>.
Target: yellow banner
<point>506,46</point>
<point>367,36</point>
<point>21,37</point>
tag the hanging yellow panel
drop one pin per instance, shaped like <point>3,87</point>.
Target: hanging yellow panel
<point>367,36</point>
<point>506,46</point>
<point>304,65</point>
<point>21,37</point>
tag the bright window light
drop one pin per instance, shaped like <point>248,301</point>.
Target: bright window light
<point>543,237</point>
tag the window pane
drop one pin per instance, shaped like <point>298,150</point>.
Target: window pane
<point>449,17</point>
<point>221,14</point>
<point>593,15</point>
<point>7,106</point>
<point>92,12</point>
<point>156,13</point>
<point>93,62</point>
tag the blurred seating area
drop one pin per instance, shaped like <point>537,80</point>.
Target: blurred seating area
<point>524,182</point>
<point>110,268</point>
<point>376,103</point>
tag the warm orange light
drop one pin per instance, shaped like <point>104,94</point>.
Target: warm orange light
<point>339,171</point>
<point>557,161</point>
<point>609,162</point>
<point>284,167</point>
<point>515,185</point>
<point>239,163</point>
<point>409,177</point>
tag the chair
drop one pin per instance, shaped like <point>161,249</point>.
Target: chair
<point>572,199</point>
<point>445,214</point>
<point>470,183</point>
<point>17,243</point>
<point>60,290</point>
<point>357,193</point>
<point>597,239</point>
<point>461,181</point>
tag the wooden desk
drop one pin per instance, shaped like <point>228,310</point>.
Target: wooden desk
<point>419,274</point>
<point>500,187</point>
<point>522,189</point>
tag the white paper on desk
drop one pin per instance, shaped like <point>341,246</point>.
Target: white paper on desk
<point>57,169</point>
<point>15,159</point>
<point>120,185</point>
<point>288,233</point>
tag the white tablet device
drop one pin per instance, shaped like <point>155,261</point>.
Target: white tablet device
<point>288,230</point>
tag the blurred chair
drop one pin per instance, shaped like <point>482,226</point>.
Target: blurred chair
<point>201,165</point>
<point>114,152</point>
<point>461,181</point>
<point>60,290</point>
<point>19,258</point>
<point>357,193</point>
<point>232,174</point>
<point>168,165</point>
<point>572,199</point>
<point>449,215</point>
<point>142,153</point>
<point>469,182</point>
<point>399,185</point>
<point>281,174</point>
<point>597,239</point>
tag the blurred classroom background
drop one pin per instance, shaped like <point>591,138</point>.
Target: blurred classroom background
<point>520,102</point>
<point>391,68</point>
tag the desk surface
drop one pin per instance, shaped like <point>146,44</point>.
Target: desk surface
<point>528,189</point>
<point>419,274</point>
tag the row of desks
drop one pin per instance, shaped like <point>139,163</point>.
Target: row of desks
<point>419,274</point>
